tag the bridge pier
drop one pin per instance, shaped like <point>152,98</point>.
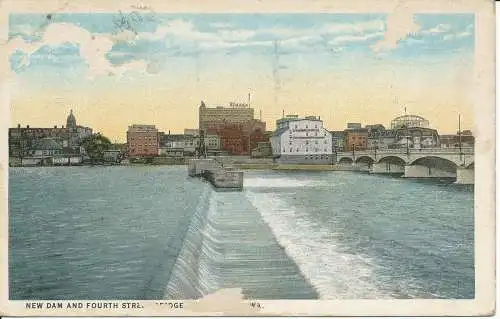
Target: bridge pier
<point>420,171</point>
<point>465,176</point>
<point>387,168</point>
<point>362,167</point>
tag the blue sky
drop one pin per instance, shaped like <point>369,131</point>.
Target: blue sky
<point>160,37</point>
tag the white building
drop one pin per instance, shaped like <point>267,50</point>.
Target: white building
<point>301,141</point>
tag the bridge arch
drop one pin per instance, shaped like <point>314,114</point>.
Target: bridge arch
<point>345,160</point>
<point>365,159</point>
<point>392,159</point>
<point>436,162</point>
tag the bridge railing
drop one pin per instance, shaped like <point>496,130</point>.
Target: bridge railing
<point>440,150</point>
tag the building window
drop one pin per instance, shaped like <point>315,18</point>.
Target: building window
<point>291,150</point>
<point>307,150</point>
<point>297,149</point>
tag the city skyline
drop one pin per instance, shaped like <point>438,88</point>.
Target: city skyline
<point>182,131</point>
<point>158,68</point>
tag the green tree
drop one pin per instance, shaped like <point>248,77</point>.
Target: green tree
<point>95,145</point>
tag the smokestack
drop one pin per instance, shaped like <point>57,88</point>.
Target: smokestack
<point>260,115</point>
<point>283,113</point>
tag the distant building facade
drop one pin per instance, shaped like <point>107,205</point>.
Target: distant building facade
<point>338,141</point>
<point>263,149</point>
<point>232,138</point>
<point>186,144</point>
<point>235,126</point>
<point>355,139</point>
<point>142,140</point>
<point>236,113</point>
<point>353,126</point>
<point>461,139</point>
<point>24,141</point>
<point>301,141</point>
<point>408,131</point>
<point>46,147</point>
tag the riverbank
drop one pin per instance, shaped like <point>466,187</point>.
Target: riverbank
<point>242,166</point>
<point>296,167</point>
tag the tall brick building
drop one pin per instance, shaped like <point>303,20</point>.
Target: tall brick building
<point>236,113</point>
<point>142,140</point>
<point>239,138</point>
<point>239,132</point>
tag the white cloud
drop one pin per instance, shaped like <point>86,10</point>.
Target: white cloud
<point>355,38</point>
<point>368,26</point>
<point>440,28</point>
<point>467,32</point>
<point>400,25</point>
<point>179,32</point>
<point>93,47</point>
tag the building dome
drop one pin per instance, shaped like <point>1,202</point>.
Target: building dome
<point>407,121</point>
<point>71,121</point>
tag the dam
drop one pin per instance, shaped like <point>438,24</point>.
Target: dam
<point>222,178</point>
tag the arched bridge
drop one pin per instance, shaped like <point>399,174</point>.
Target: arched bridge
<point>417,163</point>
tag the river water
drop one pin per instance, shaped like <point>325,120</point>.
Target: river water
<point>153,233</point>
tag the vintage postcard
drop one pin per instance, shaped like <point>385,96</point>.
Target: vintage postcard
<point>256,158</point>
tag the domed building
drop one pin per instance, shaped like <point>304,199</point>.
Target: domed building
<point>407,121</point>
<point>76,133</point>
<point>33,141</point>
<point>71,121</point>
<point>407,131</point>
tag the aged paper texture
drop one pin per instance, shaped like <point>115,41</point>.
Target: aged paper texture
<point>187,158</point>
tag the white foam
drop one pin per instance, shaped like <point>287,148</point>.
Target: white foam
<point>334,274</point>
<point>281,182</point>
<point>189,278</point>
